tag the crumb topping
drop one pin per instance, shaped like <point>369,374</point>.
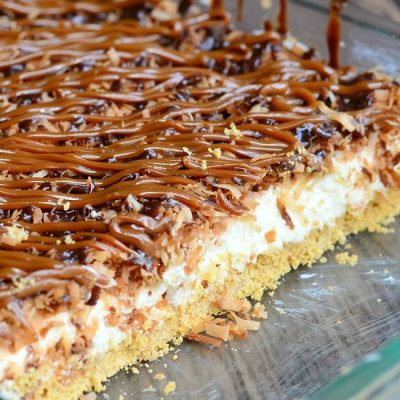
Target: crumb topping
<point>344,258</point>
<point>13,235</point>
<point>169,388</point>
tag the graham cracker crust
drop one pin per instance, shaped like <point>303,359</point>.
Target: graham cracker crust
<point>155,341</point>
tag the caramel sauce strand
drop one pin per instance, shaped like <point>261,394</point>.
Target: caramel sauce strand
<point>216,6</point>
<point>239,13</point>
<point>283,17</point>
<point>334,32</point>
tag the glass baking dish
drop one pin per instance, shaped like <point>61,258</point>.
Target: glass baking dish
<point>321,320</point>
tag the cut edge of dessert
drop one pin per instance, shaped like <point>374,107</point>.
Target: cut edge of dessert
<point>170,213</point>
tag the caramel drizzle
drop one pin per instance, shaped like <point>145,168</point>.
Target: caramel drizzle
<point>61,7</point>
<point>125,108</point>
<point>239,13</point>
<point>334,32</point>
<point>283,17</point>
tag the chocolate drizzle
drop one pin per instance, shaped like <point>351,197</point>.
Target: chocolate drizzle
<point>115,119</point>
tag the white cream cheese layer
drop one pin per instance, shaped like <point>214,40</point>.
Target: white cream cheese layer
<point>311,204</point>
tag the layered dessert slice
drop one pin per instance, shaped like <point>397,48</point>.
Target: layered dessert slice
<point>158,166</point>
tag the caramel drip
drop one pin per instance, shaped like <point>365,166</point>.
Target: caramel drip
<point>216,5</point>
<point>240,5</point>
<point>283,17</point>
<point>333,33</point>
<point>117,123</point>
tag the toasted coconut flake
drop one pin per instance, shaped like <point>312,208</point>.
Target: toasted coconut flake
<point>230,304</point>
<point>65,125</point>
<point>114,57</point>
<point>199,327</point>
<point>239,333</point>
<point>259,311</point>
<point>236,193</point>
<point>197,337</point>
<point>246,324</point>
<point>218,331</point>
<point>4,176</point>
<point>258,108</point>
<point>100,256</point>
<point>382,96</point>
<point>184,216</point>
<point>133,203</point>
<point>346,120</point>
<point>285,215</point>
<point>146,113</point>
<point>66,343</point>
<point>48,125</point>
<point>74,292</point>
<point>160,15</point>
<point>37,215</point>
<point>40,174</point>
<point>108,215</point>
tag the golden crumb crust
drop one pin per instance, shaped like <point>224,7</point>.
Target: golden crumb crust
<point>262,275</point>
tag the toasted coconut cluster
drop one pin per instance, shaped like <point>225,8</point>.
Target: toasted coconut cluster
<point>235,319</point>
